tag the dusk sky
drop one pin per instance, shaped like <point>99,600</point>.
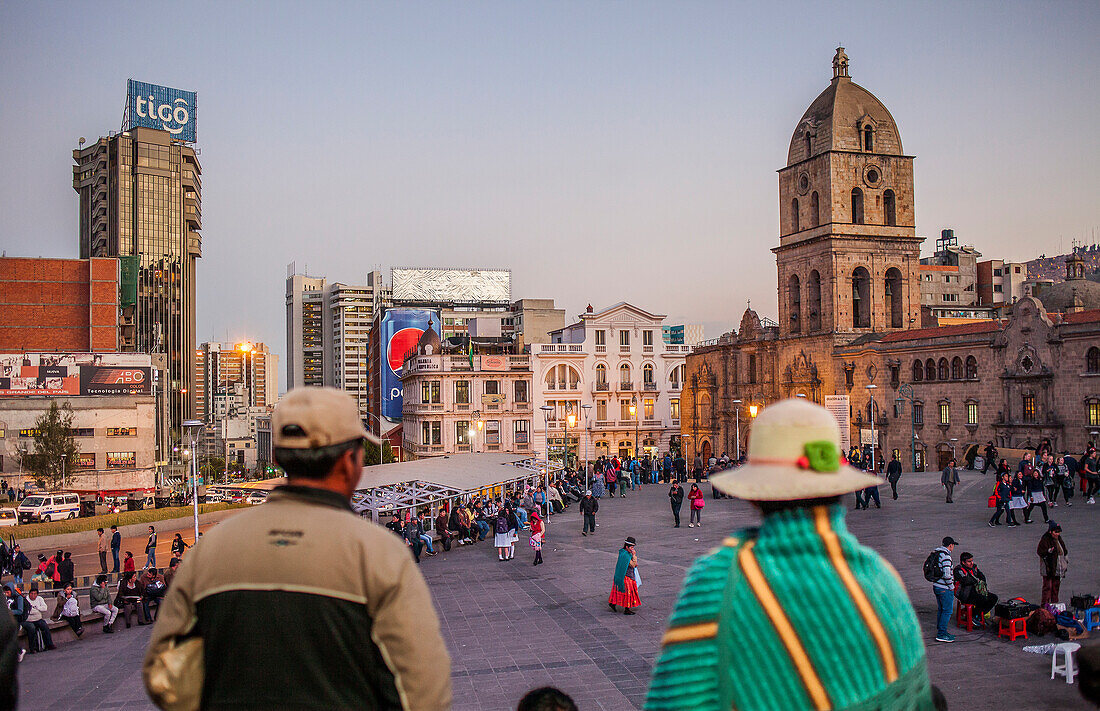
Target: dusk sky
<point>602,151</point>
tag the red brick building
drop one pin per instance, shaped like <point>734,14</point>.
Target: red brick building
<point>68,305</point>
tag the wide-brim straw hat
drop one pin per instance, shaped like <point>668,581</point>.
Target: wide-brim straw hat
<point>794,453</point>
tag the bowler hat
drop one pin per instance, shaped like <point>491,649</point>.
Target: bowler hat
<point>794,453</point>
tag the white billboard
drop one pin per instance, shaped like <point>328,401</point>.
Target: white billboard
<point>452,285</point>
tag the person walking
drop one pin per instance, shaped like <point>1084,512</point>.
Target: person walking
<point>101,548</point>
<point>1036,495</point>
<point>990,457</point>
<point>502,537</point>
<point>1002,491</point>
<point>116,546</point>
<point>179,547</point>
<point>19,563</point>
<point>943,585</point>
<point>537,530</point>
<point>893,474</point>
<point>1018,502</point>
<point>100,599</point>
<point>1053,564</point>
<point>317,607</point>
<point>624,586</point>
<point>949,479</point>
<point>1090,474</point>
<point>151,549</point>
<point>676,499</point>
<point>589,506</point>
<point>696,502</point>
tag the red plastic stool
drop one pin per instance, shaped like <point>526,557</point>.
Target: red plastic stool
<point>965,617</point>
<point>1011,629</point>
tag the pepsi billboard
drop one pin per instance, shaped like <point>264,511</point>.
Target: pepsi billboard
<point>163,108</point>
<point>401,330</point>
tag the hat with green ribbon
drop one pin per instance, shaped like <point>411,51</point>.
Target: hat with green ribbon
<point>794,453</point>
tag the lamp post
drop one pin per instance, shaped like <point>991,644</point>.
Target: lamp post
<point>871,391</point>
<point>570,421</point>
<point>191,425</point>
<point>737,426</point>
<point>953,441</point>
<point>546,410</point>
<point>905,392</point>
<point>634,414</point>
<point>63,456</point>
<point>588,436</point>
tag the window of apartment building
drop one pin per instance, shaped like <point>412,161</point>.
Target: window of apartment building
<point>462,392</point>
<point>521,431</point>
<point>945,413</point>
<point>601,374</point>
<point>647,374</point>
<point>624,410</point>
<point>918,413</point>
<point>1016,269</point>
<point>492,387</point>
<point>1092,411</point>
<point>85,460</point>
<point>601,337</point>
<point>431,433</point>
<point>624,374</point>
<point>492,432</point>
<point>122,431</point>
<point>674,406</point>
<point>462,432</point>
<point>429,391</point>
<point>601,410</point>
<point>647,407</point>
<point>996,272</point>
<point>971,413</point>
<point>647,338</point>
<point>1029,408</point>
<point>624,337</point>
<point>998,288</point>
<point>521,391</point>
<point>121,460</point>
<point>950,297</point>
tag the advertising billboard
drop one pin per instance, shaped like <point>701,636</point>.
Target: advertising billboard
<point>163,108</point>
<point>840,407</point>
<point>400,330</point>
<point>74,374</point>
<point>458,286</point>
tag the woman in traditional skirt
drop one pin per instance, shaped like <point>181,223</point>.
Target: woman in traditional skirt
<point>536,536</point>
<point>597,481</point>
<point>624,588</point>
<point>1019,497</point>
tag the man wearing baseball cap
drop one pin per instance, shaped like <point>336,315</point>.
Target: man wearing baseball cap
<point>300,603</point>
<point>795,614</point>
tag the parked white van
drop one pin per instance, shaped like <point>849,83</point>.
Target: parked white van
<point>48,507</point>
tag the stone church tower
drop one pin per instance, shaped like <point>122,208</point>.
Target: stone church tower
<point>848,255</point>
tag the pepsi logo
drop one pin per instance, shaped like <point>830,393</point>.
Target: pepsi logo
<point>401,342</point>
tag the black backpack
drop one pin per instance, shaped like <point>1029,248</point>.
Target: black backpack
<point>502,524</point>
<point>932,569</point>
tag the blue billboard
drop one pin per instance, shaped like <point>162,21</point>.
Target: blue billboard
<point>161,107</point>
<point>401,330</point>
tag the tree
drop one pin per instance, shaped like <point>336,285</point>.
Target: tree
<point>53,440</point>
<point>370,453</point>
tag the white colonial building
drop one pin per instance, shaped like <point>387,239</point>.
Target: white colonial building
<point>614,374</point>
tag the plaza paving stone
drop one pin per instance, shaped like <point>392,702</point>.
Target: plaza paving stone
<point>511,626</point>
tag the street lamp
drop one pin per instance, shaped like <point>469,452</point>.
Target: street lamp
<point>953,441</point>
<point>570,421</point>
<point>871,391</point>
<point>634,414</point>
<point>63,456</point>
<point>191,426</point>
<point>546,410</point>
<point>905,392</point>
<point>588,436</point>
<point>737,426</point>
<point>753,409</point>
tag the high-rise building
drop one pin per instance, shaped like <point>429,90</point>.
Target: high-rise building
<point>141,201</point>
<point>232,376</point>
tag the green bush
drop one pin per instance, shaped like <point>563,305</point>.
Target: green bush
<point>91,523</point>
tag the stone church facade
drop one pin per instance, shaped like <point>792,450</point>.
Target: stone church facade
<point>849,299</point>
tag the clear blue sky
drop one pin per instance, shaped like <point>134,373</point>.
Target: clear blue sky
<point>602,151</point>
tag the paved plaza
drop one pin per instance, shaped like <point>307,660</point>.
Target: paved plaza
<point>511,626</point>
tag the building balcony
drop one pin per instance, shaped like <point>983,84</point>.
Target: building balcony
<point>677,350</point>
<point>601,387</point>
<point>561,349</point>
<point>563,386</point>
<point>624,349</point>
<point>675,386</point>
<point>625,387</point>
<point>647,349</point>
<point>652,387</point>
<point>601,349</point>
<point>604,424</point>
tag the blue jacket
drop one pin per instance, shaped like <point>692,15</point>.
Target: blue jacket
<point>15,603</point>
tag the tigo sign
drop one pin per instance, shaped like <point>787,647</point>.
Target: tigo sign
<point>161,107</point>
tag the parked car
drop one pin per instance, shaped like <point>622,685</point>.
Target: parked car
<point>256,498</point>
<point>8,517</point>
<point>48,507</point>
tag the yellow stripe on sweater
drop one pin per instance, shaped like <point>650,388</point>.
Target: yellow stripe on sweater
<point>763,592</point>
<point>690,633</point>
<point>866,611</point>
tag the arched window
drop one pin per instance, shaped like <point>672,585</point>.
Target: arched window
<point>624,374</point>
<point>563,377</point>
<point>918,371</point>
<point>890,208</point>
<point>1092,360</point>
<point>943,372</point>
<point>794,215</point>
<point>956,368</point>
<point>647,374</point>
<point>676,377</point>
<point>601,374</point>
<point>971,368</point>
<point>702,410</point>
<point>809,144</point>
<point>814,297</point>
<point>868,138</point>
<point>794,303</point>
<point>857,206</point>
<point>895,297</point>
<point>815,209</point>
<point>861,298</point>
<point>929,369</point>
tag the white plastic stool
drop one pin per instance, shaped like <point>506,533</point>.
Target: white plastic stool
<point>1067,668</point>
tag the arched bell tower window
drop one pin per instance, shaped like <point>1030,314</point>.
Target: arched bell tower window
<point>794,303</point>
<point>889,208</point>
<point>868,138</point>
<point>794,215</point>
<point>857,206</point>
<point>894,300</point>
<point>861,298</point>
<point>814,289</point>
<point>815,209</point>
<point>809,144</point>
